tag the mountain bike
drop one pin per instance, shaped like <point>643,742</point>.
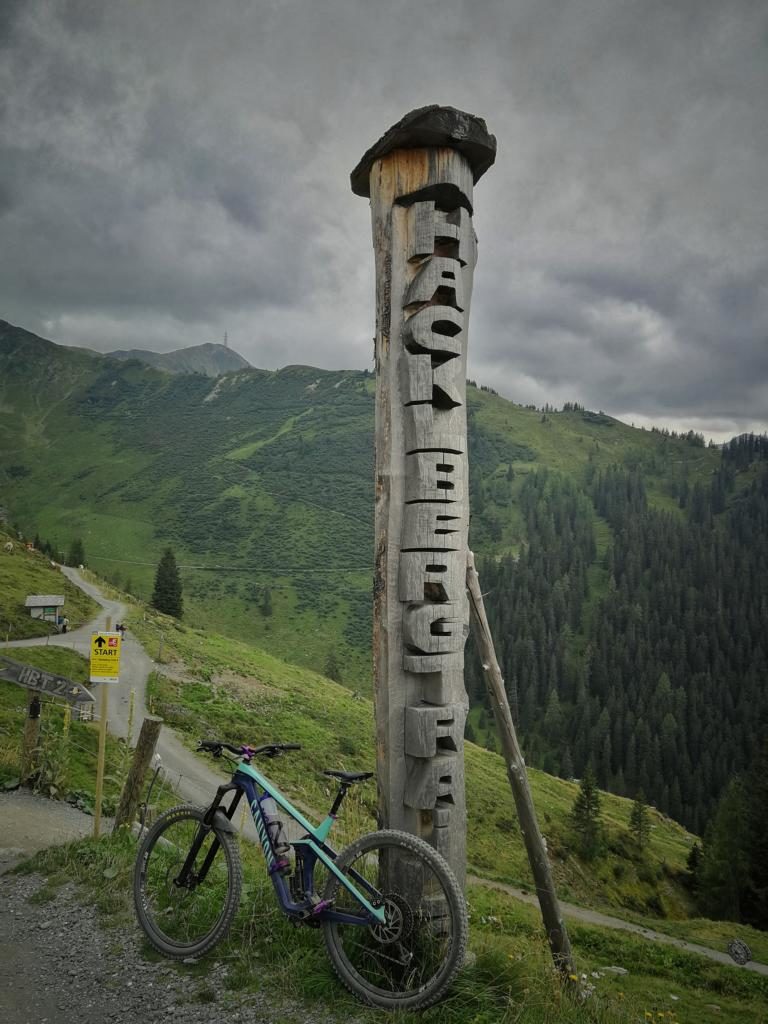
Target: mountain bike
<point>393,917</point>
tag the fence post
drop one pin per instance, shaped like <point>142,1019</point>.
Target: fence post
<point>145,749</point>
<point>30,738</point>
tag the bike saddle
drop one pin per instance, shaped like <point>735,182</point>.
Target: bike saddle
<point>348,777</point>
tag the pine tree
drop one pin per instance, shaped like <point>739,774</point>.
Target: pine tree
<point>332,668</point>
<point>585,816</point>
<point>76,554</point>
<point>756,909</point>
<point>693,864</point>
<point>724,867</point>
<point>639,824</point>
<point>166,596</point>
<point>266,603</point>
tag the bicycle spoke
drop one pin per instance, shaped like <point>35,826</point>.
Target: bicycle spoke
<point>409,959</point>
<point>184,915</point>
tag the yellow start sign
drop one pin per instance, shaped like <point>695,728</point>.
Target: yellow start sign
<point>105,657</point>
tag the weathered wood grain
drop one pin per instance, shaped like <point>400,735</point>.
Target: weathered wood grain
<point>425,252</point>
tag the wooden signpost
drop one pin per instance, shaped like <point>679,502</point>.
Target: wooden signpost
<point>38,681</point>
<point>105,669</point>
<point>420,177</point>
<point>43,682</point>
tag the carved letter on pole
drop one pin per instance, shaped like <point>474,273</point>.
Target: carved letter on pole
<point>420,178</point>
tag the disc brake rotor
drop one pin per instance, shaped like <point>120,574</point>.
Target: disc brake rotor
<point>399,920</point>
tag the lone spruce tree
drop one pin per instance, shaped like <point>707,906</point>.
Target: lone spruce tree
<point>76,554</point>
<point>585,816</point>
<point>639,823</point>
<point>166,596</point>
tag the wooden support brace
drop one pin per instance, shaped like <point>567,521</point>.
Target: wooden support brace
<point>557,934</point>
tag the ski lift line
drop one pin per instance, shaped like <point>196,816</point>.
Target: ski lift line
<point>281,570</point>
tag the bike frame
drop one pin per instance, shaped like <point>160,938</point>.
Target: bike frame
<point>249,782</point>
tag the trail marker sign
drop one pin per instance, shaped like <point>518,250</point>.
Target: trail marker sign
<point>105,657</point>
<point>44,682</point>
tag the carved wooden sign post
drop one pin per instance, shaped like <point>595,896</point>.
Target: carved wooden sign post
<point>44,682</point>
<point>420,178</point>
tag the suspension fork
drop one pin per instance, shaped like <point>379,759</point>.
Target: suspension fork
<point>206,826</point>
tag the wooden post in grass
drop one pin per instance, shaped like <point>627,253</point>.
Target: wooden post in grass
<point>420,178</point>
<point>30,738</point>
<point>145,749</point>
<point>557,934</point>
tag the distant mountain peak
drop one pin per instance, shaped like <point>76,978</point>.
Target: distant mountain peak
<point>210,359</point>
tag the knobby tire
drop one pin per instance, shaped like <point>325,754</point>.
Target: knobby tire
<point>183,922</point>
<point>410,962</point>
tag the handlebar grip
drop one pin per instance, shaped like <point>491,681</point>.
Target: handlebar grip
<point>290,746</point>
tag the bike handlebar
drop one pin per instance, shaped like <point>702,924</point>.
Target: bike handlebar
<point>217,747</point>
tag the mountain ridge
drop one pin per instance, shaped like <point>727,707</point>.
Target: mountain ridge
<point>210,359</point>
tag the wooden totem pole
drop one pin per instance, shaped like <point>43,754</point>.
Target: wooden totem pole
<point>419,178</point>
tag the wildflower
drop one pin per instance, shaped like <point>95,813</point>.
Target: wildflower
<point>573,977</point>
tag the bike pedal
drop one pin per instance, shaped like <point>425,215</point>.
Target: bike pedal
<point>318,905</point>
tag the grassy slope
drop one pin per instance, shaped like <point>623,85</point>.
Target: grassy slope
<point>219,686</point>
<point>29,572</point>
<point>566,442</point>
<point>214,686</point>
<point>266,479</point>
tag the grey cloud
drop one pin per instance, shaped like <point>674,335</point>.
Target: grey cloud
<point>169,171</point>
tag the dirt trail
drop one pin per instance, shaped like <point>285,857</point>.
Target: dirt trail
<point>606,921</point>
<point>32,823</point>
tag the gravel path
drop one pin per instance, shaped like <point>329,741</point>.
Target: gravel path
<point>31,823</point>
<point>59,965</point>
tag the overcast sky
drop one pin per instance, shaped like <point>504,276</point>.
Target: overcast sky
<point>174,169</point>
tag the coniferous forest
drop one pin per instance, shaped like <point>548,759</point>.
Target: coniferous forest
<point>648,660</point>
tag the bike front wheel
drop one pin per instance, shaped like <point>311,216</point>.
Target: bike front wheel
<point>186,916</point>
<point>409,961</point>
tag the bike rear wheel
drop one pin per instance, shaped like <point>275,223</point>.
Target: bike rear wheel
<point>186,918</point>
<point>410,961</point>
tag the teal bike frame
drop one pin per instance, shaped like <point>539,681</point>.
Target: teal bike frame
<point>297,901</point>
